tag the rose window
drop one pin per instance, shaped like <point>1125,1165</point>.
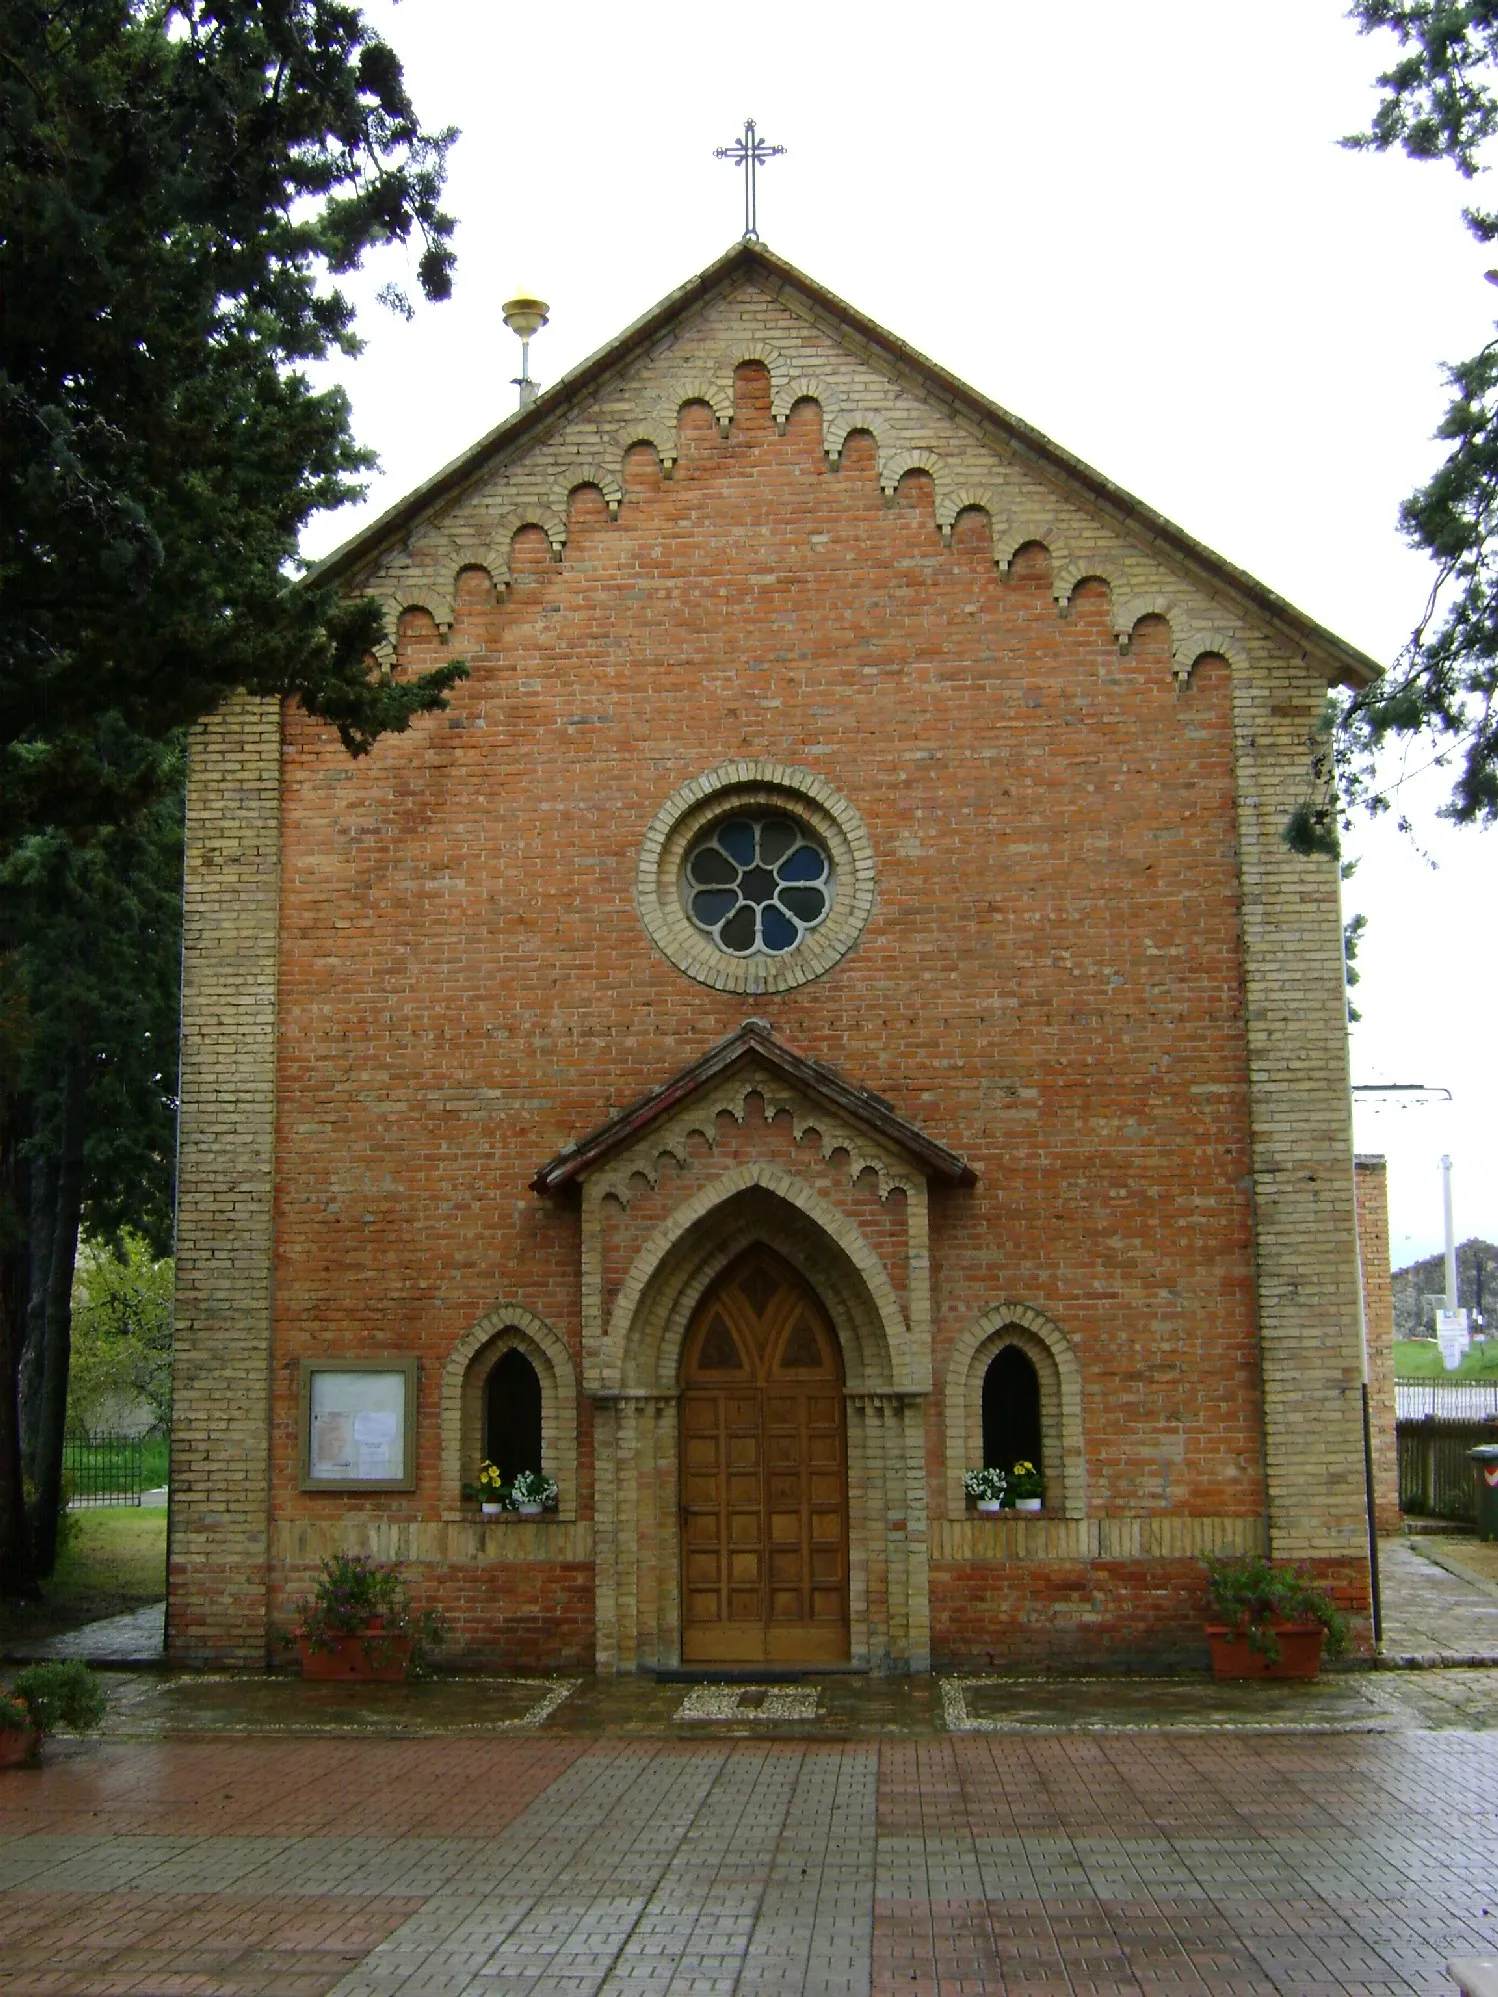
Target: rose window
<point>757,884</point>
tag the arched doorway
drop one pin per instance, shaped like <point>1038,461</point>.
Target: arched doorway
<point>764,1482</point>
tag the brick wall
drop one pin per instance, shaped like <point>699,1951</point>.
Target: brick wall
<point>1091,967</point>
<point>1378,1306</point>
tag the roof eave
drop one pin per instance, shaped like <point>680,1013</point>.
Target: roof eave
<point>750,1041</point>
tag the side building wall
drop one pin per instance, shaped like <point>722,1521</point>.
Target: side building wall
<point>1305,1225</point>
<point>217,1543</point>
<point>1378,1308</point>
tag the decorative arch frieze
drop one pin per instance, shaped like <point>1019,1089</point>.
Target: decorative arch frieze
<point>604,477</point>
<point>839,423</point>
<point>1022,528</point>
<point>893,465</point>
<point>832,1134</point>
<point>659,429</point>
<point>910,432</point>
<point>799,388</point>
<point>1046,1345</point>
<point>705,389</point>
<point>1195,644</point>
<point>496,557</point>
<point>482,1346</point>
<point>954,500</point>
<point>1130,608</point>
<point>1068,577</point>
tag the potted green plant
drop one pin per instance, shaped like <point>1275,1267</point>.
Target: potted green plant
<point>533,1493</point>
<point>491,1489</point>
<point>1269,1622</point>
<point>1026,1488</point>
<point>43,1698</point>
<point>358,1623</point>
<point>986,1488</point>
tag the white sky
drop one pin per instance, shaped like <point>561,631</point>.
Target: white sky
<point>1129,224</point>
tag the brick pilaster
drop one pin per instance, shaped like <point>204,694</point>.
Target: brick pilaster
<point>218,1543</point>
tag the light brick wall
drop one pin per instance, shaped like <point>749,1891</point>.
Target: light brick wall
<point>1305,1230</point>
<point>1378,1305</point>
<point>220,1493</point>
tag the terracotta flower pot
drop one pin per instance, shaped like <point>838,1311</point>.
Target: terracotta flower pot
<point>19,1745</point>
<point>1299,1645</point>
<point>373,1658</point>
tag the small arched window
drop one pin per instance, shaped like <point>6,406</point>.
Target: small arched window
<point>512,1415</point>
<point>1011,1411</point>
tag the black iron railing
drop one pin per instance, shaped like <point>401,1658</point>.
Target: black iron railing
<point>102,1469</point>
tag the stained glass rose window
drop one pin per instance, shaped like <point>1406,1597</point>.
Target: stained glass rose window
<point>757,883</point>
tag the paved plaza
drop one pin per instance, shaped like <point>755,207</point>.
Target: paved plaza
<point>568,1836</point>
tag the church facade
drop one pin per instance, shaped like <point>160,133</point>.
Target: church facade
<point>828,1007</point>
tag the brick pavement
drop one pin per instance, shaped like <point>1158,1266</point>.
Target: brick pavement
<point>547,1863</point>
<point>1431,1612</point>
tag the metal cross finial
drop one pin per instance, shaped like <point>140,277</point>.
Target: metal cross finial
<point>749,152</point>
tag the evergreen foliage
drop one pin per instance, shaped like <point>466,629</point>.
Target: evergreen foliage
<point>1439,101</point>
<point>182,183</point>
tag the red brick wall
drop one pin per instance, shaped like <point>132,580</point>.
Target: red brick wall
<point>1025,1614</point>
<point>1050,981</point>
<point>501,1615</point>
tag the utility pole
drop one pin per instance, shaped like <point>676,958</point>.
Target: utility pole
<point>1451,1320</point>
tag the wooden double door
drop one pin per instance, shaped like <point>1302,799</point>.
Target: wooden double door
<point>764,1477</point>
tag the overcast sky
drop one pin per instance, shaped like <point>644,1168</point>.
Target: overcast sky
<point>1131,225</point>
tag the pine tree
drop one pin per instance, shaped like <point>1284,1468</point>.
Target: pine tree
<point>1439,102</point>
<point>182,182</point>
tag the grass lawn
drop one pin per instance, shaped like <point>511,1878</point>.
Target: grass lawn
<point>115,1560</point>
<point>1420,1359</point>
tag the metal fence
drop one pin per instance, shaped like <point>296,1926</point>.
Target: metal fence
<point>102,1469</point>
<point>1436,1480</point>
<point>1445,1400</point>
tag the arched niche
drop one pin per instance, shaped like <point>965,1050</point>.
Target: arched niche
<point>1047,1349</point>
<point>465,1390</point>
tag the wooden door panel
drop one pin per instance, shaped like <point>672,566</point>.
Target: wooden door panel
<point>764,1493</point>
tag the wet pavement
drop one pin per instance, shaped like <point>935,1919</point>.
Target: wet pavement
<point>157,1706</point>
<point>837,1834</point>
<point>559,1864</point>
<point>1439,1605</point>
<point>134,1638</point>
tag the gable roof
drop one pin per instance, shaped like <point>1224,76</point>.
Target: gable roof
<point>1129,515</point>
<point>755,1039</point>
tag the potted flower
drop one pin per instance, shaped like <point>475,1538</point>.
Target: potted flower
<point>1269,1622</point>
<point>358,1623</point>
<point>1026,1488</point>
<point>986,1488</point>
<point>533,1493</point>
<point>491,1488</point>
<point>41,1699</point>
